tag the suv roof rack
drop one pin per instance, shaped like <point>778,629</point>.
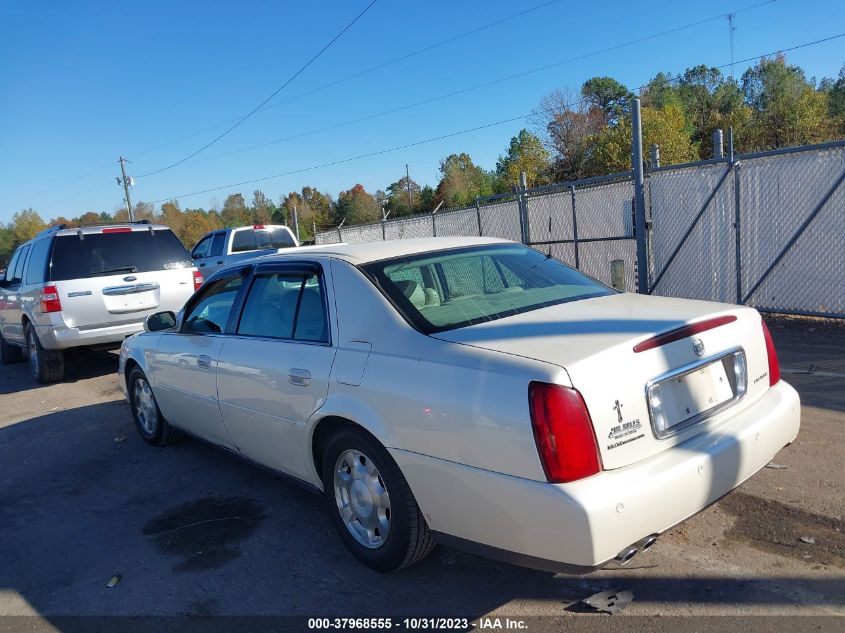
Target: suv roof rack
<point>52,229</point>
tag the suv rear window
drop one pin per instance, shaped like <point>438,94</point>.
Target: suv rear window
<point>255,239</point>
<point>116,253</point>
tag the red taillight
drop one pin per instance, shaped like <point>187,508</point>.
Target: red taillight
<point>682,332</point>
<point>197,280</point>
<point>119,229</point>
<point>50,299</point>
<point>564,432</point>
<point>774,368</point>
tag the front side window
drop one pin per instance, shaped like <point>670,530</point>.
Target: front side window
<point>10,270</point>
<point>201,249</point>
<point>209,314</point>
<point>17,273</point>
<point>285,305</point>
<point>455,288</point>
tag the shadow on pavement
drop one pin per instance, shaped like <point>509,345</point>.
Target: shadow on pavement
<point>192,531</point>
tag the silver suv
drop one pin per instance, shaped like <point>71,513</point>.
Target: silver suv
<point>88,287</point>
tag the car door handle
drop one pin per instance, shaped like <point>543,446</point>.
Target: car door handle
<point>202,265</point>
<point>301,377</point>
<point>220,261</point>
<point>204,362</point>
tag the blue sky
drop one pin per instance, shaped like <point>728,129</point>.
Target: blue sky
<point>82,83</point>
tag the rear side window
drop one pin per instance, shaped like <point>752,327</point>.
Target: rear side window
<point>10,270</point>
<point>15,272</point>
<point>254,239</point>
<point>36,271</point>
<point>116,253</point>
<point>217,245</point>
<point>285,305</point>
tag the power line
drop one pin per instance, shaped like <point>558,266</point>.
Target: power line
<point>366,71</point>
<point>458,133</point>
<point>347,160</point>
<point>466,90</point>
<point>274,93</point>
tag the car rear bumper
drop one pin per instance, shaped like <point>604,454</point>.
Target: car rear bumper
<point>64,337</point>
<point>582,525</point>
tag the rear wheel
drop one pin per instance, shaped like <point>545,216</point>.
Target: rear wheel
<point>148,419</point>
<point>371,504</point>
<point>46,365</point>
<point>9,353</point>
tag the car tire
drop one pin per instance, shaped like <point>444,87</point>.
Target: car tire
<point>149,421</point>
<point>367,495</point>
<point>9,353</point>
<point>45,365</point>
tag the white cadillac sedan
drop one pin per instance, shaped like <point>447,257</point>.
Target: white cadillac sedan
<point>468,391</point>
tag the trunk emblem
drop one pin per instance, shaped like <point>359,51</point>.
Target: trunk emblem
<point>618,408</point>
<point>130,278</point>
<point>698,347</point>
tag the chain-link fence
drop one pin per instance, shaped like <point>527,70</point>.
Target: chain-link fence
<point>766,229</point>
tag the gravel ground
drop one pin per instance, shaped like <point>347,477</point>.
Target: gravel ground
<point>190,530</point>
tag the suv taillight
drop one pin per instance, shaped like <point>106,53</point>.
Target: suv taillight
<point>563,431</point>
<point>50,299</point>
<point>774,368</point>
<point>197,280</point>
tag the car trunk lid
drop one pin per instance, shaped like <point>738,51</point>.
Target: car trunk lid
<point>692,373</point>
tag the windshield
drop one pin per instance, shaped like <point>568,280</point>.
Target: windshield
<point>116,253</point>
<point>460,287</point>
<point>255,239</point>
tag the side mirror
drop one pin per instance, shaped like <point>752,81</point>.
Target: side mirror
<point>197,255</point>
<point>160,321</point>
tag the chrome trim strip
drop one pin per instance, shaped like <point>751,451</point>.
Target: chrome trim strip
<point>707,413</point>
<point>129,290</point>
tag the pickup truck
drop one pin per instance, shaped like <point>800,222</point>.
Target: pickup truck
<point>227,246</point>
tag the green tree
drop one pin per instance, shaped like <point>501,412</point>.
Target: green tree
<point>262,210</point>
<point>397,197</point>
<point>235,212</point>
<point>357,206</point>
<point>525,154</point>
<point>787,109</point>
<point>428,199</point>
<point>25,225</point>
<point>609,96</point>
<point>612,147</point>
<point>462,181</point>
<point>7,245</point>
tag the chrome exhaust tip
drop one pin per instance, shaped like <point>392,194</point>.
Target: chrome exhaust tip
<point>647,542</point>
<point>626,554</point>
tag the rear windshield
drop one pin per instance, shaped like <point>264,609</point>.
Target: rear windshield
<point>256,239</point>
<point>117,253</point>
<point>460,287</point>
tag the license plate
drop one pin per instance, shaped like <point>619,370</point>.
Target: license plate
<point>681,399</point>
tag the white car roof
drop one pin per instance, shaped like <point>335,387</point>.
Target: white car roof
<point>375,251</point>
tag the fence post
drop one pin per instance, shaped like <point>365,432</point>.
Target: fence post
<point>575,228</point>
<point>339,235</point>
<point>639,198</point>
<point>737,225</point>
<point>478,216</point>
<point>654,155</point>
<point>383,231</point>
<point>523,208</point>
<point>718,144</point>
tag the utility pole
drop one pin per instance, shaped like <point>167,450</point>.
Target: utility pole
<point>408,181</point>
<point>125,181</point>
<point>731,29</point>
<point>640,227</point>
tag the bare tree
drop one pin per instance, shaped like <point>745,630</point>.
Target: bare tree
<point>567,123</point>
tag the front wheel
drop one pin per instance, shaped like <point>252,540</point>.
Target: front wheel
<point>45,365</point>
<point>371,504</point>
<point>148,419</point>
